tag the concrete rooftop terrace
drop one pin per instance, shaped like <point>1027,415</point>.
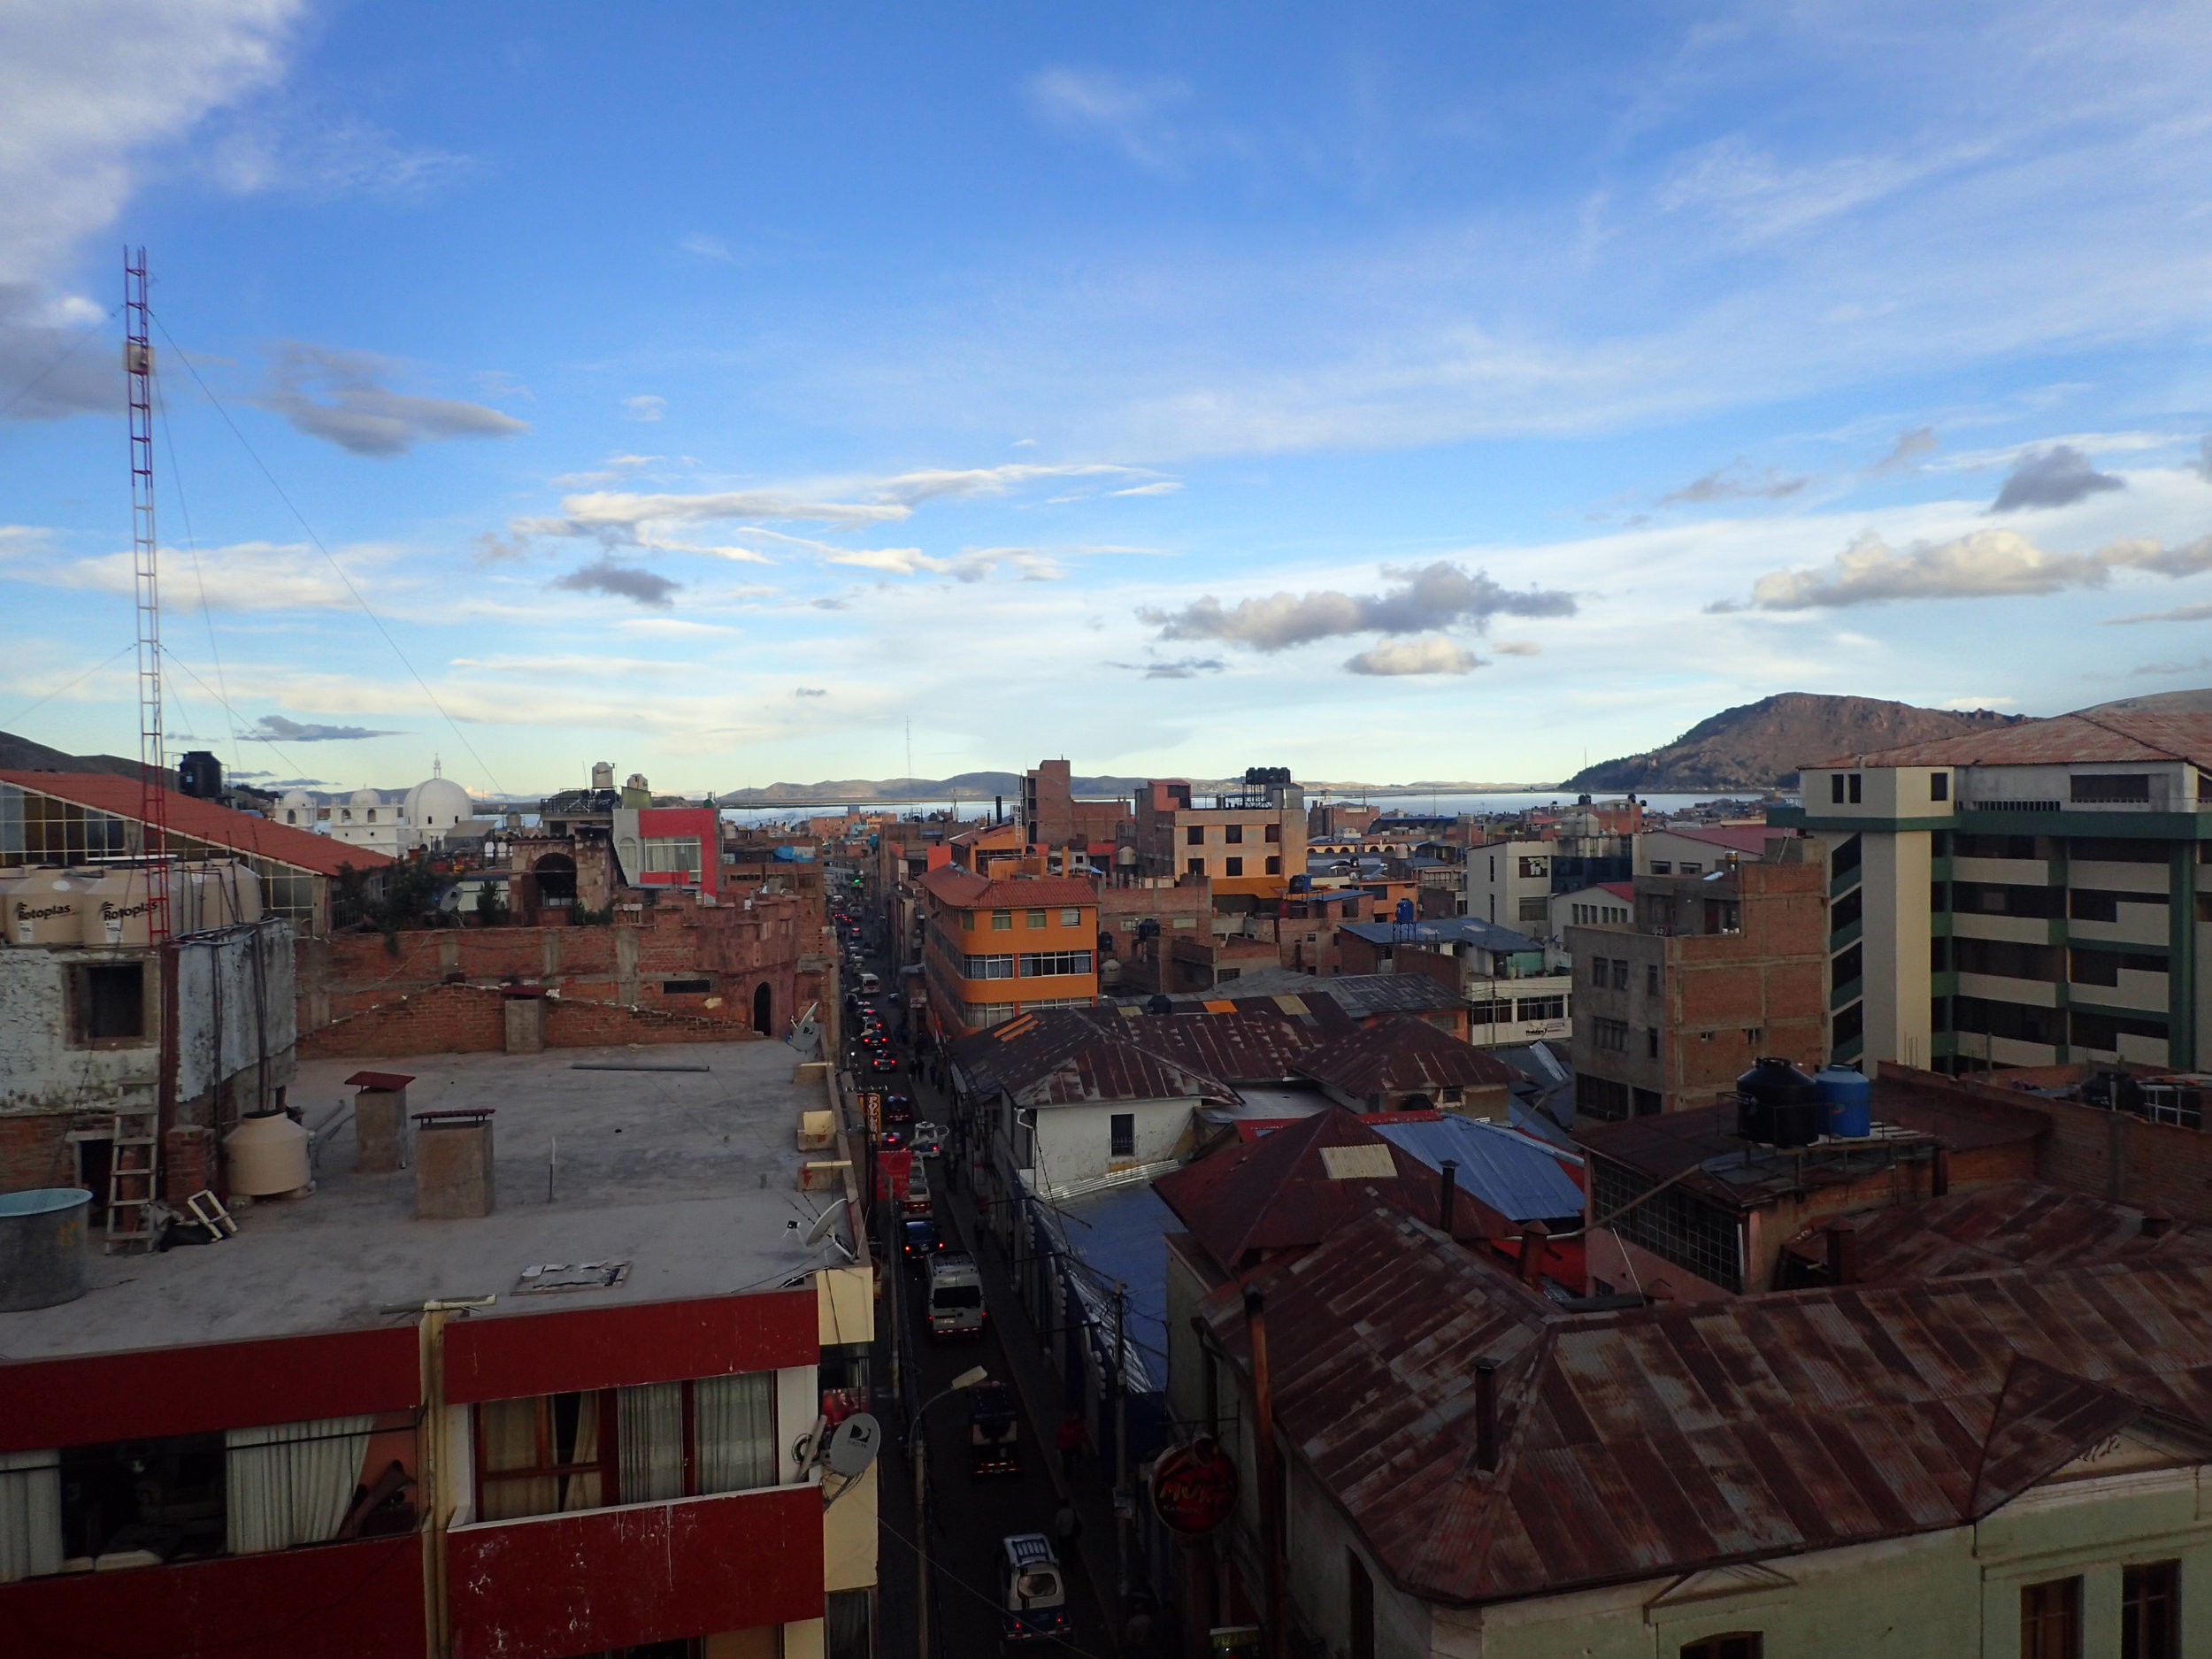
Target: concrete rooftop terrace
<point>690,1177</point>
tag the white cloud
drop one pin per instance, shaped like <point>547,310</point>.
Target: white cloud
<point>701,246</point>
<point>2056,477</point>
<point>645,406</point>
<point>1129,113</point>
<point>1984,563</point>
<point>87,90</point>
<point>244,576</point>
<point>1165,486</point>
<point>1438,596</point>
<point>1428,654</point>
<point>340,157</point>
<point>1517,648</point>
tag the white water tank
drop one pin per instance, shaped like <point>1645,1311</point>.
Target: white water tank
<point>117,908</point>
<point>266,1154</point>
<point>47,908</point>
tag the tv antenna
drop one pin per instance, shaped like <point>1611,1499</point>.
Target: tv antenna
<point>153,793</point>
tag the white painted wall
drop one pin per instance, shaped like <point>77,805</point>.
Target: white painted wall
<point>1074,1144</point>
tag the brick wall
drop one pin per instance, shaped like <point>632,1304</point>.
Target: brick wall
<point>35,1151</point>
<point>471,1019</point>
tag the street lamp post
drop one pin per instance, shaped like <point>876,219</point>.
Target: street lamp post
<point>919,1432</point>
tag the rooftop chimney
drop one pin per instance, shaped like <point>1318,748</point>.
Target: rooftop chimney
<point>1448,1201</point>
<point>1843,1252</point>
<point>453,1165</point>
<point>1486,1414</point>
<point>1533,1236</point>
<point>1940,1174</point>
<point>2156,1224</point>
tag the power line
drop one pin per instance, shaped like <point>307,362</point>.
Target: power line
<point>192,547</point>
<point>202,685</point>
<point>68,352</point>
<point>66,685</point>
<point>374,619</point>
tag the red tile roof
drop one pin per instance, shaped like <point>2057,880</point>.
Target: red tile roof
<point>965,888</point>
<point>204,820</point>
<point>2067,738</point>
<point>1621,889</point>
<point>1653,1442</point>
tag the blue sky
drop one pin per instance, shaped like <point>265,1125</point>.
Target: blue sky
<point>1431,392</point>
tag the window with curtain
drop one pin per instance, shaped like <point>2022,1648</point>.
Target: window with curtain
<point>288,1483</point>
<point>649,1443</point>
<point>30,1515</point>
<point>540,1455</point>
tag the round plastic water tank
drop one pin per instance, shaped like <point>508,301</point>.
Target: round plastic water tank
<point>267,1154</point>
<point>1778,1105</point>
<point>1847,1101</point>
<point>44,1247</point>
<point>116,908</point>
<point>47,908</point>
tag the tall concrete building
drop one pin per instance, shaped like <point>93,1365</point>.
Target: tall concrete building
<point>1250,843</point>
<point>2025,896</point>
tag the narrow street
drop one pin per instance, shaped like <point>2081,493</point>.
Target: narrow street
<point>968,1515</point>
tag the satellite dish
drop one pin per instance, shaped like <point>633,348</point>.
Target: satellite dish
<point>854,1444</point>
<point>823,1225</point>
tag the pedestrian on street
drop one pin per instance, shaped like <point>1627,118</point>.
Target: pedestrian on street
<point>1067,1526</point>
<point>1070,1441</point>
<point>1137,1638</point>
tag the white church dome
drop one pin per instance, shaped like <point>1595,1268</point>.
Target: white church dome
<point>439,804</point>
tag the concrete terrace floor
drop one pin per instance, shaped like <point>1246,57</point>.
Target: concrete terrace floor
<point>691,1177</point>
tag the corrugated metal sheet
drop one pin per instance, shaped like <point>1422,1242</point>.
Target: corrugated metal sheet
<point>1519,1178</point>
<point>1057,1057</point>
<point>2009,1224</point>
<point>2093,739</point>
<point>1277,1192</point>
<point>1401,1054</point>
<point>1646,1443</point>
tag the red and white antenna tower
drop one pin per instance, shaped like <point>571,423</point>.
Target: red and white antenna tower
<point>153,795</point>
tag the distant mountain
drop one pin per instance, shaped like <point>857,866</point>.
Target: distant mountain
<point>968,785</point>
<point>19,753</point>
<point>1761,745</point>
<point>2156,702</point>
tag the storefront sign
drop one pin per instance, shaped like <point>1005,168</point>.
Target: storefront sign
<point>1194,1487</point>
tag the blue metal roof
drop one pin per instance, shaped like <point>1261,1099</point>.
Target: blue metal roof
<point>1520,1179</point>
<point>1449,930</point>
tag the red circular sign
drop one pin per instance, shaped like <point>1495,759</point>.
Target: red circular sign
<point>1194,1487</point>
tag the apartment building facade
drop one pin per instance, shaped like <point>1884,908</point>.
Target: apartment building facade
<point>993,947</point>
<point>2028,897</point>
<point>1713,973</point>
<point>1249,843</point>
<point>461,1428</point>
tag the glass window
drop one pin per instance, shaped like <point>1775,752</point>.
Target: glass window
<point>1194,835</point>
<point>1035,919</point>
<point>540,1455</point>
<point>1233,833</point>
<point>1939,786</point>
<point>1001,921</point>
<point>2050,1619</point>
<point>1855,789</point>
<point>1274,832</point>
<point>1195,866</point>
<point>1232,866</point>
<point>1835,789</point>
<point>1663,866</point>
<point>1274,866</point>
<point>2150,1610</point>
<point>1072,916</point>
<point>1737,1644</point>
<point>1123,1128</point>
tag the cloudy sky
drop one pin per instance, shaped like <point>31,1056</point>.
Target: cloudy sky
<point>1388,392</point>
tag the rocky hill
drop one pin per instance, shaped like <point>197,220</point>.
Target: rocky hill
<point>19,753</point>
<point>1761,745</point>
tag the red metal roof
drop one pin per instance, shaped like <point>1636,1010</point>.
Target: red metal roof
<point>1665,1440</point>
<point>204,820</point>
<point>1055,1057</point>
<point>2089,738</point>
<point>1278,1193</point>
<point>1402,1053</point>
<point>968,891</point>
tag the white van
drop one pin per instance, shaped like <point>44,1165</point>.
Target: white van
<point>956,1296</point>
<point>870,984</point>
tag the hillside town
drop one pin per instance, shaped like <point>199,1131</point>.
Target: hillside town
<point>1196,1221</point>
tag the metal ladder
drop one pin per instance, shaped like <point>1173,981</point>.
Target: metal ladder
<point>132,1166</point>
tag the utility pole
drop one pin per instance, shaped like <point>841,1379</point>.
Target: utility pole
<point>917,1432</point>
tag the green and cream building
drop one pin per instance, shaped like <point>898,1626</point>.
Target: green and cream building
<point>2028,895</point>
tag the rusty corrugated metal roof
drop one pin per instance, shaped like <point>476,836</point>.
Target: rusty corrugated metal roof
<point>1056,1057</point>
<point>1665,1440</point>
<point>2091,738</point>
<point>2006,1225</point>
<point>1278,1193</point>
<point>965,888</point>
<point>1404,1053</point>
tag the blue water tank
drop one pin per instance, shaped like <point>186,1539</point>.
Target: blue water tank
<point>1847,1101</point>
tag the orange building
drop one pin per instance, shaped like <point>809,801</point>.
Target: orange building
<point>992,948</point>
<point>1247,843</point>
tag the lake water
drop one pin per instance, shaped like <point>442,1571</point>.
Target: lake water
<point>1443,802</point>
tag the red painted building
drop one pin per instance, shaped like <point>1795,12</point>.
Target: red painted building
<point>577,1414</point>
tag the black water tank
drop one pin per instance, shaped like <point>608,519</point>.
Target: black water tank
<point>1778,1105</point>
<point>200,775</point>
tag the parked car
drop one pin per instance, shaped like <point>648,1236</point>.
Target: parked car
<point>1033,1593</point>
<point>994,1430</point>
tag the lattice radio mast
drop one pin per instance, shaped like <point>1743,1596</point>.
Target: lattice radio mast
<point>153,793</point>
